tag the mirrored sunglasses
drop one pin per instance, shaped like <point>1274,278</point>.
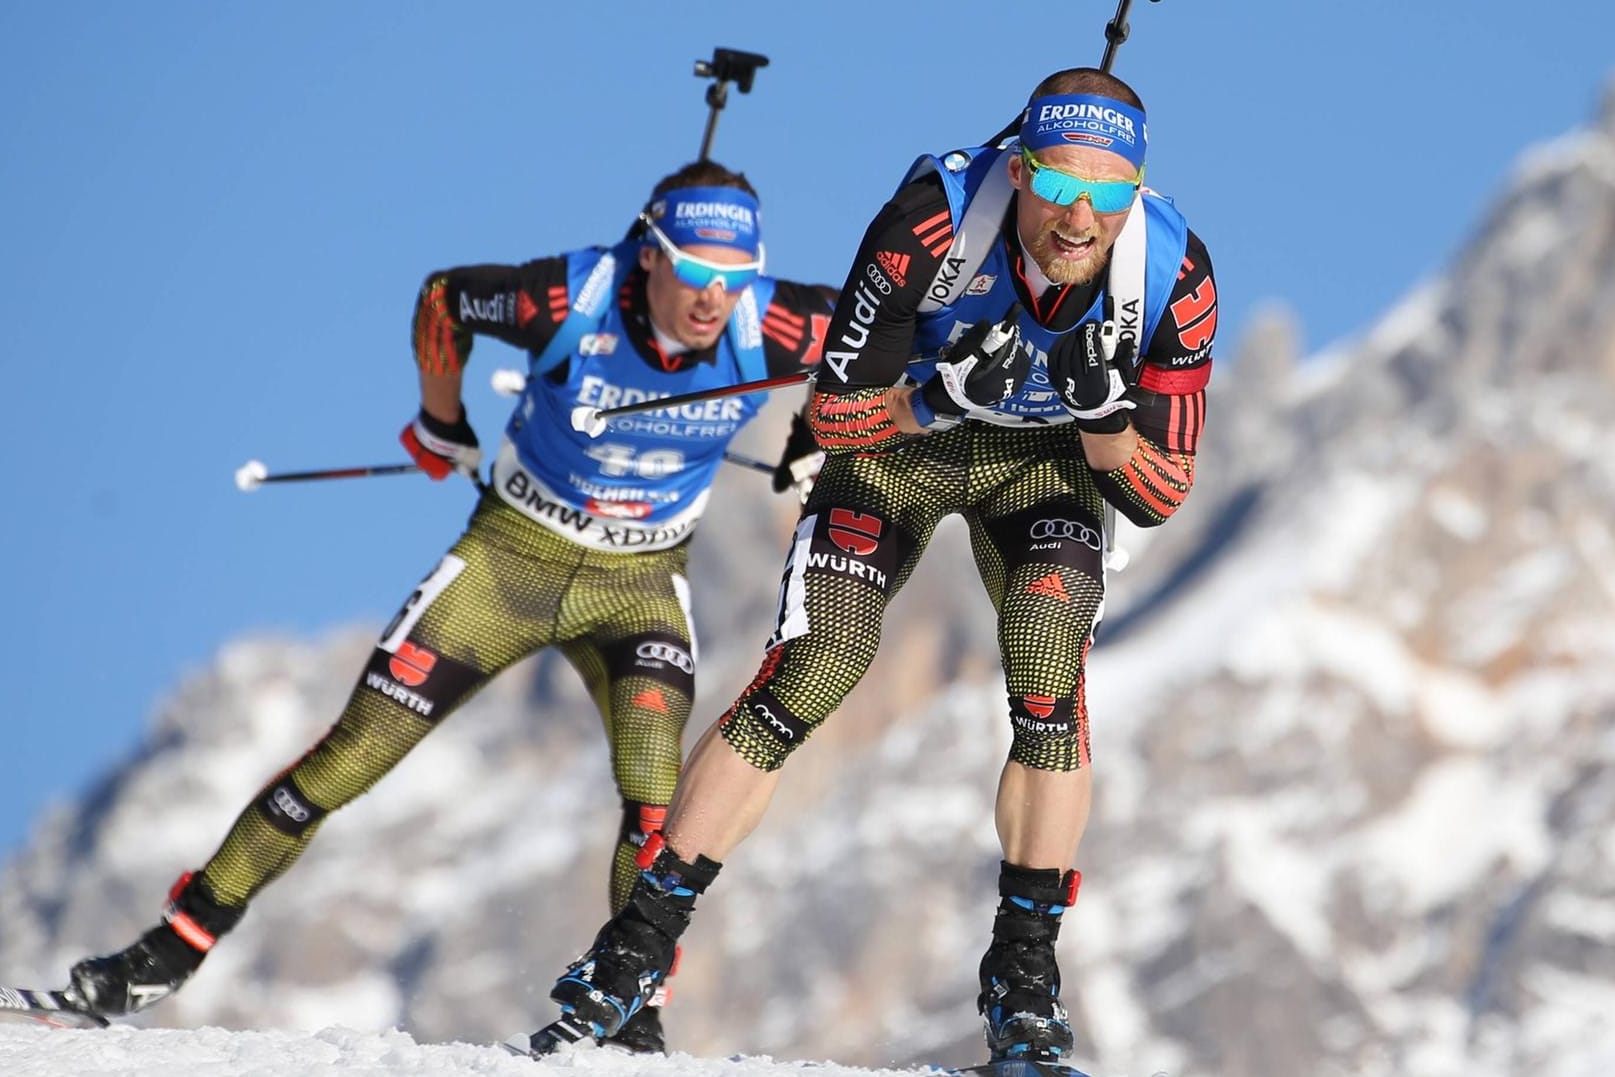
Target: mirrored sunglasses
<point>1064,188</point>
<point>699,273</point>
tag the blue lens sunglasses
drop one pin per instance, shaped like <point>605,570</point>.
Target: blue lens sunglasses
<point>1064,188</point>
<point>699,273</point>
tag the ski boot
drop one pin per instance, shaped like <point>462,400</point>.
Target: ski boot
<point>634,953</point>
<point>1020,980</point>
<point>642,1033</point>
<point>160,961</point>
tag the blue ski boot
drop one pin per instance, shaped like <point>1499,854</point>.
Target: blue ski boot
<point>1020,980</point>
<point>642,1033</point>
<point>634,953</point>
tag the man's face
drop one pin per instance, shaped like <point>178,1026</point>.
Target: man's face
<point>1071,244</point>
<point>695,317</point>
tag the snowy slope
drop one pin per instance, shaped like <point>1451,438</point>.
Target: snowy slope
<point>27,1051</point>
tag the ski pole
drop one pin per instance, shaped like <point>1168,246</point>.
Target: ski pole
<point>592,421</point>
<point>1116,31</point>
<point>752,462</point>
<point>508,382</point>
<point>254,473</point>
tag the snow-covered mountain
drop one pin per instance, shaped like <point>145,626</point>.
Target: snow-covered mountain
<point>1354,738</point>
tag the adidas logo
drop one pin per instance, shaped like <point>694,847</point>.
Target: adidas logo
<point>651,699</point>
<point>1049,587</point>
<point>526,309</point>
<point>895,266</point>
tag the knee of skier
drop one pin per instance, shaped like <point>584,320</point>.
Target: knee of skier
<point>288,809</point>
<point>1049,732</point>
<point>763,730</point>
<point>841,570</point>
<point>760,728</point>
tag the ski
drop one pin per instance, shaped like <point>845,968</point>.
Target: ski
<point>552,1037</point>
<point>1017,1067</point>
<point>57,1008</point>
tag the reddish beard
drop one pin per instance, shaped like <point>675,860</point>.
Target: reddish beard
<point>1062,270</point>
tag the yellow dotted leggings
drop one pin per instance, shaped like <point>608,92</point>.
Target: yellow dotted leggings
<point>1034,517</point>
<point>506,589</point>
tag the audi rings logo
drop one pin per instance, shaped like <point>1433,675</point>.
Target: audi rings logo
<point>785,731</point>
<point>1048,530</point>
<point>666,652</point>
<point>289,805</point>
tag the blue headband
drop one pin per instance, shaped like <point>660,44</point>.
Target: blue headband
<point>1085,120</point>
<point>715,216</point>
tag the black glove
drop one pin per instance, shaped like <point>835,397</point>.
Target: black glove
<point>442,448</point>
<point>984,367</point>
<point>799,464</point>
<point>1089,384</point>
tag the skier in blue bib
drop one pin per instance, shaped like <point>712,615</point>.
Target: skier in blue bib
<point>580,542</point>
<point>1024,340</point>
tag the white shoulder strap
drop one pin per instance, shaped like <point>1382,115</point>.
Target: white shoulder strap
<point>1124,320</point>
<point>1124,314</point>
<point>972,240</point>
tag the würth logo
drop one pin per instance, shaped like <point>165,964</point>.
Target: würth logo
<point>895,265</point>
<point>411,664</point>
<point>856,532</point>
<point>1038,706</point>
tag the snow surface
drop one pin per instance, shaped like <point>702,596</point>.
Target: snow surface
<point>28,1050</point>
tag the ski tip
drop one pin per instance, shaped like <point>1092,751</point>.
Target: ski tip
<point>518,1045</point>
<point>559,1033</point>
<point>58,1009</point>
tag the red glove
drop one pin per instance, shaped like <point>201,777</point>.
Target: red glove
<point>442,448</point>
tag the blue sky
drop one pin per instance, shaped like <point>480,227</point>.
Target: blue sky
<point>215,217</point>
